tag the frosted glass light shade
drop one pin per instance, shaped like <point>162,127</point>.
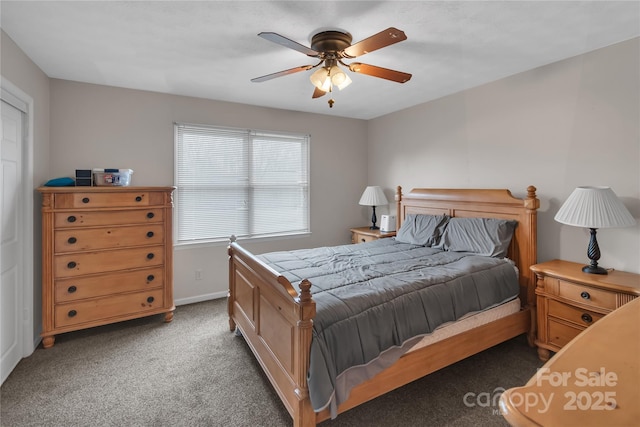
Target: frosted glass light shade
<point>326,77</point>
<point>339,78</point>
<point>321,79</point>
<point>373,196</point>
<point>594,207</point>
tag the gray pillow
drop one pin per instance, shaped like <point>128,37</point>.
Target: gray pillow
<point>482,236</point>
<point>424,230</point>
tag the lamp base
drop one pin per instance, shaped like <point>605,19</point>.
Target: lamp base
<point>594,270</point>
<point>374,220</point>
<point>593,252</point>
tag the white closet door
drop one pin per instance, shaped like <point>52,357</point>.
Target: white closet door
<point>11,240</point>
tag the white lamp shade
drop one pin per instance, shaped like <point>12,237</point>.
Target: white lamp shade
<point>594,207</point>
<point>373,196</point>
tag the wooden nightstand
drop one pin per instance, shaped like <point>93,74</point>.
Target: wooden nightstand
<point>365,234</point>
<point>569,301</point>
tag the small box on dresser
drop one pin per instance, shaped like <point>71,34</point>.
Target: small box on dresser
<point>107,256</point>
<point>569,300</point>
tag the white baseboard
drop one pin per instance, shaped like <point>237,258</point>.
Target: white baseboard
<point>200,298</point>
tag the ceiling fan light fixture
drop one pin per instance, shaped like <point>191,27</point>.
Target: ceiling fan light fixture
<point>339,78</point>
<point>330,47</point>
<point>321,79</point>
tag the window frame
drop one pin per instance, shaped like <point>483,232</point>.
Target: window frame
<point>305,141</point>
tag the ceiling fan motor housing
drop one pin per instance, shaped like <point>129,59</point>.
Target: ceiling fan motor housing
<point>331,41</point>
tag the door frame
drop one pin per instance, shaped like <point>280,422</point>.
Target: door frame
<point>16,97</point>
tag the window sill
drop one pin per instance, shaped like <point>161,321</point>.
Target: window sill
<point>225,242</point>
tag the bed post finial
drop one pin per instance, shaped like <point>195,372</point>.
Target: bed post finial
<point>531,202</point>
<point>305,291</point>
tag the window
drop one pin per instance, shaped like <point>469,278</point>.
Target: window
<point>239,182</point>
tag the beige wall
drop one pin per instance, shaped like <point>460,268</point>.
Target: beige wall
<point>571,123</point>
<point>101,126</point>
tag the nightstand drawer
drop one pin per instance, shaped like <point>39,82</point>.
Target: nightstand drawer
<point>573,314</point>
<point>361,238</point>
<point>587,295</point>
<point>560,334</point>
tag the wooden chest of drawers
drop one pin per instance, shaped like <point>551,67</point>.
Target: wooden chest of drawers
<point>569,301</point>
<point>107,256</point>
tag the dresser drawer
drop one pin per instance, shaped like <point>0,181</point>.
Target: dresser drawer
<point>597,298</point>
<point>560,334</point>
<point>106,284</point>
<point>93,219</point>
<point>76,264</point>
<point>90,200</point>
<point>104,308</point>
<point>108,237</point>
<point>573,314</point>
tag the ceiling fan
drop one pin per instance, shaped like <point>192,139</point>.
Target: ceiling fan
<point>331,48</point>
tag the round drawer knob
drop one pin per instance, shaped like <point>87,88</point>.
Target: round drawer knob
<point>150,215</point>
<point>71,289</point>
<point>71,218</point>
<point>150,300</point>
<point>149,233</point>
<point>585,295</point>
<point>150,278</point>
<point>150,256</point>
<point>85,200</point>
<point>72,313</point>
<point>72,240</point>
<point>138,198</point>
<point>72,264</point>
<point>586,317</point>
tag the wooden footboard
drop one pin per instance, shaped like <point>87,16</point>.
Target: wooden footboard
<point>276,319</point>
<point>276,322</point>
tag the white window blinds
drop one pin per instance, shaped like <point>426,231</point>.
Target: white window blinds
<point>240,182</point>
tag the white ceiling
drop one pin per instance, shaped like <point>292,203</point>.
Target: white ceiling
<point>210,49</point>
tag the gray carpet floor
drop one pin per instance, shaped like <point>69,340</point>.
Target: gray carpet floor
<point>194,372</point>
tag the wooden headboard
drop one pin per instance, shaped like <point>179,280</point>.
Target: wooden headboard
<point>484,203</point>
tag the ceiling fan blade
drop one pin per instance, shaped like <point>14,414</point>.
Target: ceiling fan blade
<point>383,73</point>
<point>317,93</point>
<point>283,41</point>
<point>282,73</point>
<point>377,41</point>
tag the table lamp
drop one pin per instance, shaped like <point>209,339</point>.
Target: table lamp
<point>593,208</point>
<point>373,196</point>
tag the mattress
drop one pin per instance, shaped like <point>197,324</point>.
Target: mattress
<point>473,320</point>
<point>376,296</point>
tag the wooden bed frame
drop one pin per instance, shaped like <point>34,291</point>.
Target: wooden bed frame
<point>276,320</point>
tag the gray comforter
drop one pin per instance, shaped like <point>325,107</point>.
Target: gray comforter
<point>374,296</point>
